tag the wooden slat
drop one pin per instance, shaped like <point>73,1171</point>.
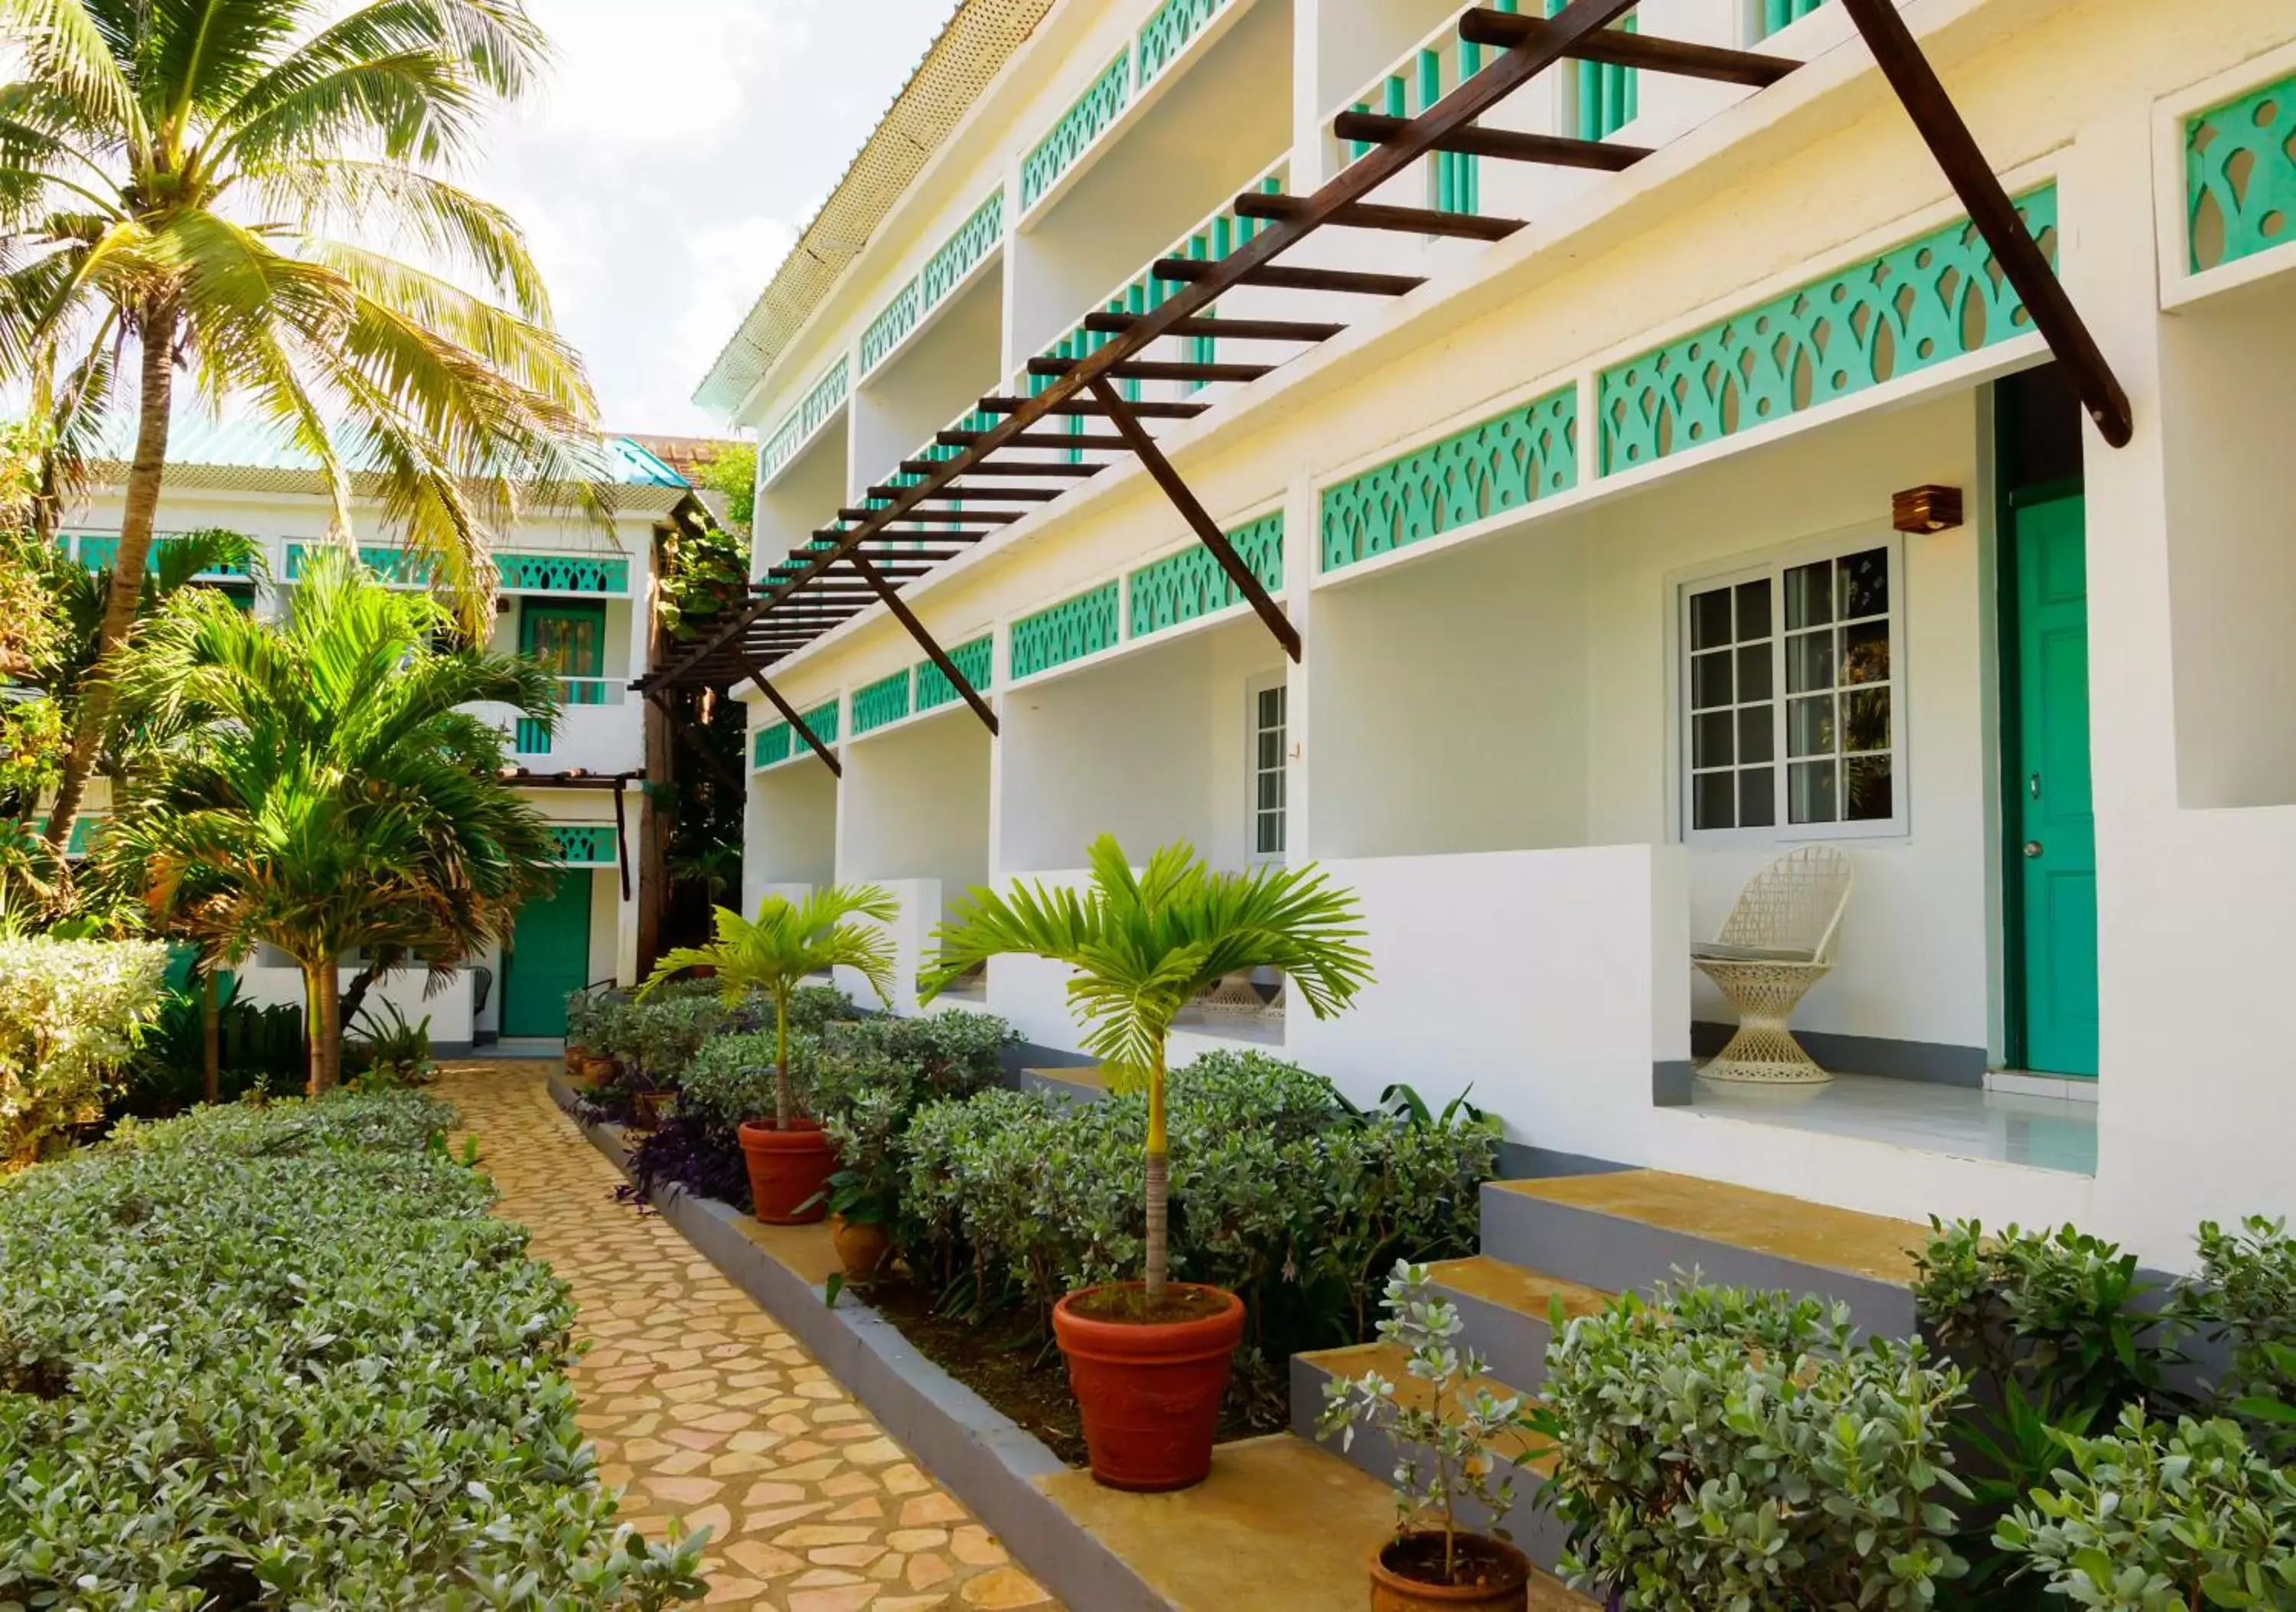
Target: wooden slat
<point>1027,467</point>
<point>1378,128</point>
<point>1031,439</point>
<point>957,493</point>
<point>1376,214</point>
<point>1145,369</point>
<point>1239,330</point>
<point>1075,406</point>
<point>994,517</point>
<point>1282,278</point>
<point>1618,48</point>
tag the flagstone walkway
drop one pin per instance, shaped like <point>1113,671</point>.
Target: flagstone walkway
<point>705,1410</point>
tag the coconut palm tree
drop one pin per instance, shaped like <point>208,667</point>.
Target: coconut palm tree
<point>322,791</point>
<point>1144,948</point>
<point>787,941</point>
<point>206,194</point>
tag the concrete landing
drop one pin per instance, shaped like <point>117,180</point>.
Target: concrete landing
<point>1868,1245</point>
<point>1279,1525</point>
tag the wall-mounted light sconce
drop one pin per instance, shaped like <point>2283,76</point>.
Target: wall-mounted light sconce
<point>1925,509</point>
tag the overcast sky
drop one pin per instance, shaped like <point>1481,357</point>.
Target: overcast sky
<point>673,158</point>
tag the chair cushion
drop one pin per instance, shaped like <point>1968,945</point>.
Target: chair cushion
<point>1717,951</point>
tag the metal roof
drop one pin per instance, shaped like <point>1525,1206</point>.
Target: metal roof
<point>197,440</point>
<point>971,47</point>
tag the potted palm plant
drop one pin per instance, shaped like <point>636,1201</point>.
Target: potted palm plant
<point>790,1156</point>
<point>1446,1457</point>
<point>1149,1360</point>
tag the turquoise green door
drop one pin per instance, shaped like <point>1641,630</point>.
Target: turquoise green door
<point>2057,845</point>
<point>549,958</point>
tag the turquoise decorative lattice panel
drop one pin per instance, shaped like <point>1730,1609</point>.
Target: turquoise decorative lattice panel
<point>957,256</point>
<point>1921,304</point>
<point>532,737</point>
<point>563,573</point>
<point>886,700</point>
<point>897,319</point>
<point>1166,34</point>
<point>393,566</point>
<point>2240,176</point>
<point>1191,583</point>
<point>771,745</point>
<point>1507,462</point>
<point>1777,14</point>
<point>976,660</point>
<point>584,844</point>
<point>100,551</point>
<point>780,743</point>
<point>810,415</point>
<point>1068,631</point>
<point>1081,125</point>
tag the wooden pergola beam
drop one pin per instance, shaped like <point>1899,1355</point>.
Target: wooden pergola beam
<point>1615,47</point>
<point>1380,215</point>
<point>1556,150</point>
<point>797,723</point>
<point>1199,519</point>
<point>939,656</point>
<point>1947,134</point>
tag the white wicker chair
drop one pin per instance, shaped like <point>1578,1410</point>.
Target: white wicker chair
<point>1777,943</point>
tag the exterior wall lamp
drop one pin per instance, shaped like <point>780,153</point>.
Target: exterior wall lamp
<point>1921,510</point>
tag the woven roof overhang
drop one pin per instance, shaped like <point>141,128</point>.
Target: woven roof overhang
<point>970,50</point>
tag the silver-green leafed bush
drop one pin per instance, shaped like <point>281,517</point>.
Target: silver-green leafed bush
<point>2156,1518</point>
<point>285,1357</point>
<point>1716,1449</point>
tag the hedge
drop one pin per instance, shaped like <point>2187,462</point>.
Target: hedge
<point>285,1357</point>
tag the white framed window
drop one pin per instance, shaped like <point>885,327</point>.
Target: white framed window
<point>1264,772</point>
<point>1793,696</point>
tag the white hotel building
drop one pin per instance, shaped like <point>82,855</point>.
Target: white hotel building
<point>1569,469</point>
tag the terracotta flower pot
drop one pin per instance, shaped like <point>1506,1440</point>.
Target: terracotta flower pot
<point>649,1104</point>
<point>1150,1391</point>
<point>788,1168</point>
<point>1500,1572</point>
<point>861,1247</point>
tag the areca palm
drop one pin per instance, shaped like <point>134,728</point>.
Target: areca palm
<point>323,791</point>
<point>216,187</point>
<point>1144,948</point>
<point>787,941</point>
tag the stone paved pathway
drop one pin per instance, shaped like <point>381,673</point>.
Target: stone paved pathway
<point>705,1410</point>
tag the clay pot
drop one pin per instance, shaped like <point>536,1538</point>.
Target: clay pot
<point>592,1070</point>
<point>1507,1588</point>
<point>648,1106</point>
<point>788,1168</point>
<point>861,1247</point>
<point>1150,1391</point>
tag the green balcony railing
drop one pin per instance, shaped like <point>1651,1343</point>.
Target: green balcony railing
<point>1777,14</point>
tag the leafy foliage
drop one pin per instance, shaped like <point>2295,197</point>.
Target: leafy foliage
<point>391,1051</point>
<point>2246,1298</point>
<point>2055,1330</point>
<point>285,1357</point>
<point>2155,1518</point>
<point>325,790</point>
<point>787,942</point>
<point>1718,1448</point>
<point>1141,949</point>
<point>261,1051</point>
<point>1451,1437</point>
<point>69,1015</point>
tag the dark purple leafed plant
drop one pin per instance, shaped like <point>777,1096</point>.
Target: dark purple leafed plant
<point>685,1154</point>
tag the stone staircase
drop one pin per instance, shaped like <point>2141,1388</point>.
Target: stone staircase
<point>1578,1239</point>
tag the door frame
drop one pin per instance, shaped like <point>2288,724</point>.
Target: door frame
<point>508,955</point>
<point>2009,656</point>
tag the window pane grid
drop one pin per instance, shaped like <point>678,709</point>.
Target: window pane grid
<point>1799,701</point>
<point>1267,771</point>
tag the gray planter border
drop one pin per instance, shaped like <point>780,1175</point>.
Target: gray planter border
<point>983,1457</point>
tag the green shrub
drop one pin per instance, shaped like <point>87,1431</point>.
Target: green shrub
<point>731,1079</point>
<point>866,1081</point>
<point>69,1015</point>
<point>1277,1191</point>
<point>2160,1519</point>
<point>285,1357</point>
<point>1720,1449</point>
<point>813,1007</point>
<point>2246,1299</point>
<point>262,1052</point>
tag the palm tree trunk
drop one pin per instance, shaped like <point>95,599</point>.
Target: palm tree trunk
<point>1159,1259</point>
<point>784,1103</point>
<point>210,1040</point>
<point>322,1016</point>
<point>144,477</point>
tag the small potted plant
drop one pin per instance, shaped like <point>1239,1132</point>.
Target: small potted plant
<point>1444,1458</point>
<point>1149,1360</point>
<point>790,1156</point>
